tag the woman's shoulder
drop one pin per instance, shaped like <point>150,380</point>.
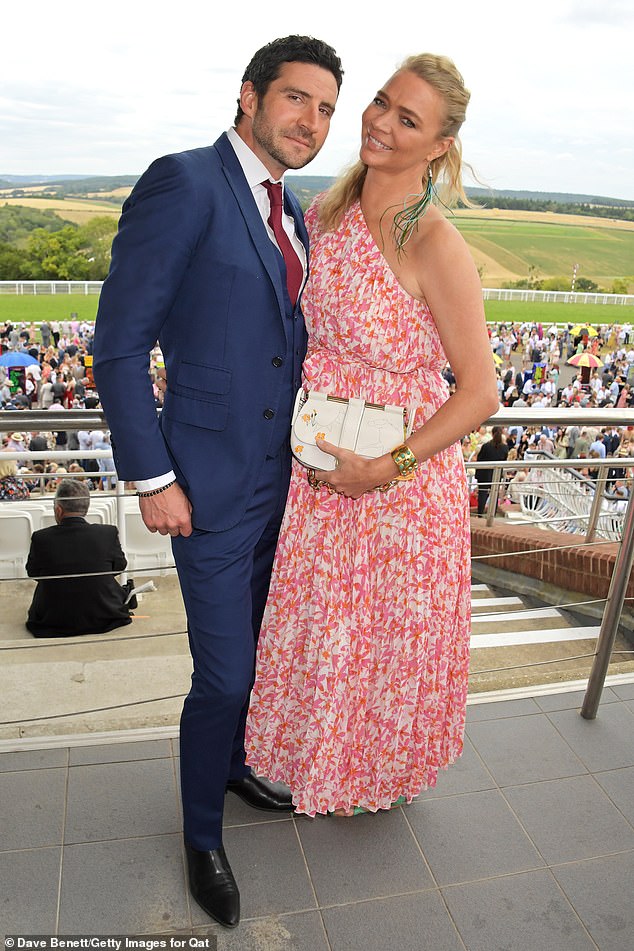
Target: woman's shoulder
<point>438,232</point>
<point>440,253</point>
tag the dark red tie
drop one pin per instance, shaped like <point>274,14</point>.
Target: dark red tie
<point>294,269</point>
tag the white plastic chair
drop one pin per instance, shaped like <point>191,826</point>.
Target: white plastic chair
<point>34,507</point>
<point>16,529</point>
<point>145,549</point>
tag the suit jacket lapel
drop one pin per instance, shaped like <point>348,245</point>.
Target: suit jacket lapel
<point>249,210</point>
<point>293,208</point>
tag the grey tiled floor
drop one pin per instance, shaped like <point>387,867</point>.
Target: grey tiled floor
<point>527,842</point>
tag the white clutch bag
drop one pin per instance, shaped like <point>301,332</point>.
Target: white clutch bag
<point>368,429</point>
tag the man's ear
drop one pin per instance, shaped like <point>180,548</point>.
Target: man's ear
<point>248,99</point>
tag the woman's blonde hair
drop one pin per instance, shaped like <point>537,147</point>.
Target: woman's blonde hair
<point>446,170</point>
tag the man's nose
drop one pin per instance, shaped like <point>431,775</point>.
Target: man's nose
<point>310,116</point>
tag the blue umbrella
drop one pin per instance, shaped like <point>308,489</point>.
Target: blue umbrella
<point>17,359</point>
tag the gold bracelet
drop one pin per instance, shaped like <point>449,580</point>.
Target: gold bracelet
<point>405,461</point>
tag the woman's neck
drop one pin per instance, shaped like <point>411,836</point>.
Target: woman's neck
<point>384,193</point>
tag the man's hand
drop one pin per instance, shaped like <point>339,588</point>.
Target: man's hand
<point>168,513</point>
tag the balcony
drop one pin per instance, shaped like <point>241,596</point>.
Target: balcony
<point>527,842</point>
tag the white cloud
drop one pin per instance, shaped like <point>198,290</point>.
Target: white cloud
<point>106,88</point>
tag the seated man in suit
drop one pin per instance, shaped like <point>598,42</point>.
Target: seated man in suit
<point>66,607</point>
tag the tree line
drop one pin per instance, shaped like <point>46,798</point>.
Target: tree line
<point>39,245</point>
<point>623,212</point>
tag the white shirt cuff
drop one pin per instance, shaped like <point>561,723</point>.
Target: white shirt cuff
<point>147,485</point>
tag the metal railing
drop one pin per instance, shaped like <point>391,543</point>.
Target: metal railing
<point>559,495</point>
<point>34,421</point>
<point>625,555</point>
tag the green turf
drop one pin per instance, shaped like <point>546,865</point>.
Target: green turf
<point>27,308</point>
<point>538,311</point>
<point>601,253</point>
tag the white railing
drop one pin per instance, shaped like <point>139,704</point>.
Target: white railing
<point>555,297</point>
<point>46,288</point>
<point>563,499</point>
<point>31,288</point>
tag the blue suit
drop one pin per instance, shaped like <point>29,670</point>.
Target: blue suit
<point>193,267</point>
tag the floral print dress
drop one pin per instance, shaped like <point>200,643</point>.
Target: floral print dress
<point>362,664</point>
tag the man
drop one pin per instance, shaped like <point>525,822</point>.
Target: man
<point>71,606</point>
<point>45,333</point>
<point>203,253</point>
<point>597,445</point>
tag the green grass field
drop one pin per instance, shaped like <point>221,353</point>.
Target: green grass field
<point>502,311</point>
<point>60,306</point>
<point>27,308</point>
<point>602,253</point>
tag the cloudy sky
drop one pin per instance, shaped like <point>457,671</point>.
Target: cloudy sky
<point>105,87</point>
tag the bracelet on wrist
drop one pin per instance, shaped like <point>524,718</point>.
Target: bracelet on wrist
<point>151,492</point>
<point>405,461</point>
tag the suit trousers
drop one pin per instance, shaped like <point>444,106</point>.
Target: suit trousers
<point>224,577</point>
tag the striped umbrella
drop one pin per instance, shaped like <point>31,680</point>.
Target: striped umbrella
<point>585,359</point>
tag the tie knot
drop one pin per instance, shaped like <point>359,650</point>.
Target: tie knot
<point>275,192</point>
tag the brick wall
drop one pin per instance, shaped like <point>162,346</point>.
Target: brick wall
<point>586,570</point>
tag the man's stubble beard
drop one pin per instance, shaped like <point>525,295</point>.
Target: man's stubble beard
<point>268,138</point>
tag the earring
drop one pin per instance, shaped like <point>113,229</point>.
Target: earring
<point>406,220</point>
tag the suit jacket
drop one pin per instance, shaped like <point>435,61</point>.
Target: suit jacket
<point>70,606</point>
<point>193,266</point>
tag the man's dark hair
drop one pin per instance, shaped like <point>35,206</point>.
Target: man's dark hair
<point>73,496</point>
<point>265,66</point>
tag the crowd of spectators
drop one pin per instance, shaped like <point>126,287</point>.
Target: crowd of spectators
<point>530,361</point>
<point>58,379</point>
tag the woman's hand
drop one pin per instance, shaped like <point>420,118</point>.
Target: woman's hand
<point>354,475</point>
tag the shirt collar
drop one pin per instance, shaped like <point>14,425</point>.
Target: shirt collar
<point>255,171</point>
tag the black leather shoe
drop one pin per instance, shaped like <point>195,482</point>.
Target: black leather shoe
<point>212,884</point>
<point>262,794</point>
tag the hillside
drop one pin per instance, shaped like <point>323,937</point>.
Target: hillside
<point>305,184</point>
<point>508,244</point>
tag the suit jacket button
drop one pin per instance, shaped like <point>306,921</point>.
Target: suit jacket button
<point>277,361</point>
<point>268,414</point>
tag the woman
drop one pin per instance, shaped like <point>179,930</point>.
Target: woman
<point>494,450</point>
<point>361,682</point>
<point>12,487</point>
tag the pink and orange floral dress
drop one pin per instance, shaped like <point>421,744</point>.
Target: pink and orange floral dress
<point>362,664</point>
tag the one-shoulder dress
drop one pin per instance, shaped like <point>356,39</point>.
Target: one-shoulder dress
<point>362,663</point>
